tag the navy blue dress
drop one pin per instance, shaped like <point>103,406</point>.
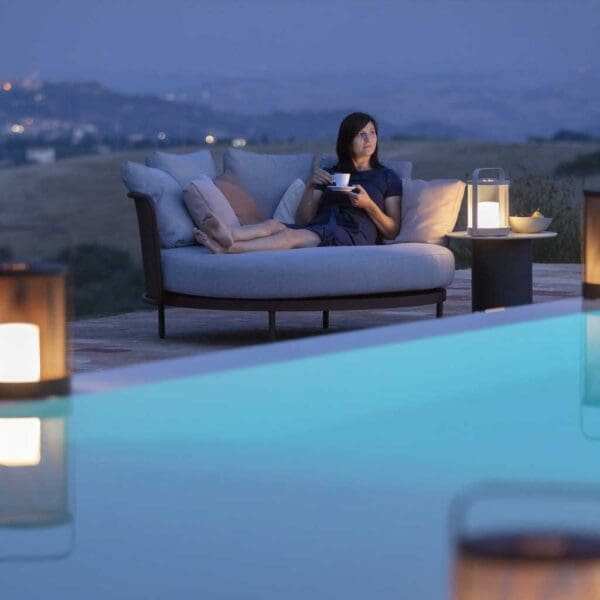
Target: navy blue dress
<point>338,223</point>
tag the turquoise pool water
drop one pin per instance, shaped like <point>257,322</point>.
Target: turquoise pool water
<point>322,477</point>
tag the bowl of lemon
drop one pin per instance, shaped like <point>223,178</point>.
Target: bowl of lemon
<point>536,222</point>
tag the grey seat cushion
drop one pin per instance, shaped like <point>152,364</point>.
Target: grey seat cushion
<point>307,272</point>
<point>267,176</point>
<point>403,168</point>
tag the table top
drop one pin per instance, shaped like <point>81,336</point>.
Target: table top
<point>464,235</point>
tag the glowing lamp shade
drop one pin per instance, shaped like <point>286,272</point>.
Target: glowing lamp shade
<point>487,196</point>
<point>488,214</point>
<point>19,352</point>
<point>33,331</point>
<point>20,442</point>
<point>591,244</point>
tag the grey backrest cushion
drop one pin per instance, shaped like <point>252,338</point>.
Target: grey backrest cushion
<point>267,176</point>
<point>429,209</point>
<point>403,168</point>
<point>175,226</point>
<point>184,167</point>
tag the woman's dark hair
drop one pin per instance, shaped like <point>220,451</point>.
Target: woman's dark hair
<point>349,127</point>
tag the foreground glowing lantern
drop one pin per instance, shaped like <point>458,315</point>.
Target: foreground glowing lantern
<point>520,557</point>
<point>33,330</point>
<point>19,352</point>
<point>591,244</point>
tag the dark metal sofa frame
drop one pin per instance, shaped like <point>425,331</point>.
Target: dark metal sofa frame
<point>156,293</point>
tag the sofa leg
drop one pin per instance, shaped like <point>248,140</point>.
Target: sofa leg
<point>272,325</point>
<point>161,321</point>
<point>439,310</point>
<point>325,319</point>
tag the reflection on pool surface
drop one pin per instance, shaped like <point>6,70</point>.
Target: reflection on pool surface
<point>35,507</point>
<point>323,477</point>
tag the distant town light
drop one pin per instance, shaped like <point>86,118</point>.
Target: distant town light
<point>210,139</point>
<point>7,86</point>
<point>16,128</point>
<point>161,135</point>
<point>238,142</point>
<point>28,121</point>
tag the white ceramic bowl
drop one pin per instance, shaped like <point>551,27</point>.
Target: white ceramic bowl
<point>529,224</point>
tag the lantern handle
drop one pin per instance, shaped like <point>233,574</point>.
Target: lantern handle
<point>498,171</point>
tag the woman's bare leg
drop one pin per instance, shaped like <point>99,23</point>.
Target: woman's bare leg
<point>226,235</point>
<point>259,230</point>
<point>283,240</point>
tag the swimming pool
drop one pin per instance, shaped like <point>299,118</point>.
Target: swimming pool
<point>323,469</point>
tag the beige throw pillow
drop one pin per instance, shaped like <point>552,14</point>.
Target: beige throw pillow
<point>201,196</point>
<point>288,205</point>
<point>429,209</point>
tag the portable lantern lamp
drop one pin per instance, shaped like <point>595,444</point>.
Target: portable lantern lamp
<point>591,244</point>
<point>487,193</point>
<point>33,330</point>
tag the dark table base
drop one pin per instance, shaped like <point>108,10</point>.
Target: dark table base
<point>501,273</point>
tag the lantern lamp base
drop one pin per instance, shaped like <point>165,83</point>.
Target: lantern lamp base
<point>591,290</point>
<point>36,389</point>
<point>488,231</point>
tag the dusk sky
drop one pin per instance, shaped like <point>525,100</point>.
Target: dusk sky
<point>128,42</point>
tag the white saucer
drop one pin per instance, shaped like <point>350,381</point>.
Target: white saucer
<point>341,188</point>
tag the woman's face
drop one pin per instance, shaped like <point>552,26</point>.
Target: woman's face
<point>365,141</point>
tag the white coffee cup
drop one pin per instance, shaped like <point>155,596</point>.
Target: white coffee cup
<point>341,179</point>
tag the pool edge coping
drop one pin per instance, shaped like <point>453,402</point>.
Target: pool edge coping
<point>223,360</point>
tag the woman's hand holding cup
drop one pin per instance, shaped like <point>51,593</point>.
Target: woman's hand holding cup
<point>320,177</point>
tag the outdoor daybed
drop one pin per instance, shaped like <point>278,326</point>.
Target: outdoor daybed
<point>414,270</point>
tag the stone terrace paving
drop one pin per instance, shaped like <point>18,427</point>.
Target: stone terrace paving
<point>133,338</point>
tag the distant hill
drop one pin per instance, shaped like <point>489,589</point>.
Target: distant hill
<point>486,106</point>
<point>89,112</point>
<point>50,111</point>
<point>267,110</point>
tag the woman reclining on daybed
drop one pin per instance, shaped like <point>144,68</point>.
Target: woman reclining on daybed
<point>362,215</point>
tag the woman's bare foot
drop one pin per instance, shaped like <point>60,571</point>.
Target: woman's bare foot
<point>205,240</point>
<point>217,230</point>
<point>277,226</point>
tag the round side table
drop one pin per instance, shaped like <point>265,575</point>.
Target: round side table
<point>501,269</point>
